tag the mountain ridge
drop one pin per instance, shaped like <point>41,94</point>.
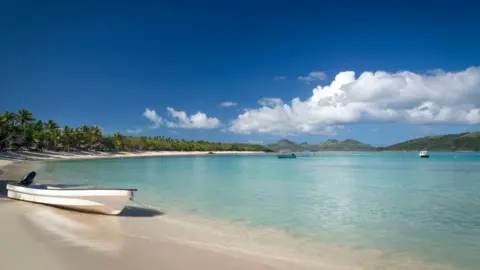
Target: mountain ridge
<point>466,141</point>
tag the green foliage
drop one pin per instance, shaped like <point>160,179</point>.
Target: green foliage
<point>329,145</point>
<point>22,131</point>
<point>469,141</point>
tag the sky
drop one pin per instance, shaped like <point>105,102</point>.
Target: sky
<point>245,71</point>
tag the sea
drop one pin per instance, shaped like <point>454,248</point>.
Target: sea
<point>393,203</point>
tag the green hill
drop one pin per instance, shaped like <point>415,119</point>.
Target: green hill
<point>329,145</point>
<point>468,141</point>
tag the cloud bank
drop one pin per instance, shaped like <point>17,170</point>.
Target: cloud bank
<point>313,76</point>
<point>151,115</point>
<point>438,97</point>
<point>228,104</point>
<point>180,119</point>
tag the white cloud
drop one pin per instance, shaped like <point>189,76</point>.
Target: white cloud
<point>270,102</point>
<point>313,76</point>
<point>279,78</point>
<point>198,120</point>
<point>151,115</point>
<point>134,130</point>
<point>432,98</point>
<point>228,104</point>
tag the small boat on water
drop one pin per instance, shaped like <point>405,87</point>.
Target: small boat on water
<point>424,154</point>
<point>75,197</point>
<point>292,155</point>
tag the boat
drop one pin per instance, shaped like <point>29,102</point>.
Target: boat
<point>74,197</point>
<point>424,154</point>
<point>292,155</point>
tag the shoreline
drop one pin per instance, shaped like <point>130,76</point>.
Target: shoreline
<point>9,157</point>
<point>143,239</point>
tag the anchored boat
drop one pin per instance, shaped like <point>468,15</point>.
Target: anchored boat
<point>424,154</point>
<point>292,155</point>
<point>75,197</point>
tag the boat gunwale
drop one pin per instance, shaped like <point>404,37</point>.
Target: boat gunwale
<point>74,189</point>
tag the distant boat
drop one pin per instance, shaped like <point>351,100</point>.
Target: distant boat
<point>292,155</point>
<point>76,197</point>
<point>424,154</point>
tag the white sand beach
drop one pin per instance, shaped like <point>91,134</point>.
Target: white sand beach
<point>6,157</point>
<point>142,237</point>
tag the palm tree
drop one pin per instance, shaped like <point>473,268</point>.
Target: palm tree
<point>118,141</point>
<point>51,126</point>
<point>9,130</point>
<point>25,119</point>
<point>67,138</point>
<point>95,134</point>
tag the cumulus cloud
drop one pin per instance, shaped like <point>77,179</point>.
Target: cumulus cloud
<point>134,130</point>
<point>437,97</point>
<point>313,76</point>
<point>228,104</point>
<point>180,120</point>
<point>197,120</point>
<point>151,115</point>
<point>279,78</point>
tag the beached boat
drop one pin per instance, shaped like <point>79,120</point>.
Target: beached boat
<point>75,197</point>
<point>292,155</point>
<point>424,154</point>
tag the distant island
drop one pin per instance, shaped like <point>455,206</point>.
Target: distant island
<point>329,145</point>
<point>21,131</point>
<point>468,141</point>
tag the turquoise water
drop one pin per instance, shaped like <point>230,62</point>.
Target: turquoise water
<point>394,202</point>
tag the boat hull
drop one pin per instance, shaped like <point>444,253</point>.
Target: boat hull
<point>101,201</point>
<point>285,157</point>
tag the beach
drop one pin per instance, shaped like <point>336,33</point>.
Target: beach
<point>225,228</point>
<point>54,155</point>
<point>59,239</point>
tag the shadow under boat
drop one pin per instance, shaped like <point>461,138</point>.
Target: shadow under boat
<point>134,211</point>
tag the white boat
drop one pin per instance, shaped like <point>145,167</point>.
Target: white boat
<point>424,154</point>
<point>75,197</point>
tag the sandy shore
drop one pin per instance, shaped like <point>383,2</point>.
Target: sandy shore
<point>53,238</point>
<point>53,155</point>
<point>142,237</point>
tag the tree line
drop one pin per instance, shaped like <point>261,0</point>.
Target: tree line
<point>21,131</point>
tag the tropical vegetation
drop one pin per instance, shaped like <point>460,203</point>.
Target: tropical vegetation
<point>328,145</point>
<point>467,141</point>
<point>21,131</point>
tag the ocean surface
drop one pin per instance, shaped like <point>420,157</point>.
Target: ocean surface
<point>396,203</point>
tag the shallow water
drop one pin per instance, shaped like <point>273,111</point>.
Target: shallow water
<point>396,203</point>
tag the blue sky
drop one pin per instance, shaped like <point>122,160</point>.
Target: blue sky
<point>105,63</point>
